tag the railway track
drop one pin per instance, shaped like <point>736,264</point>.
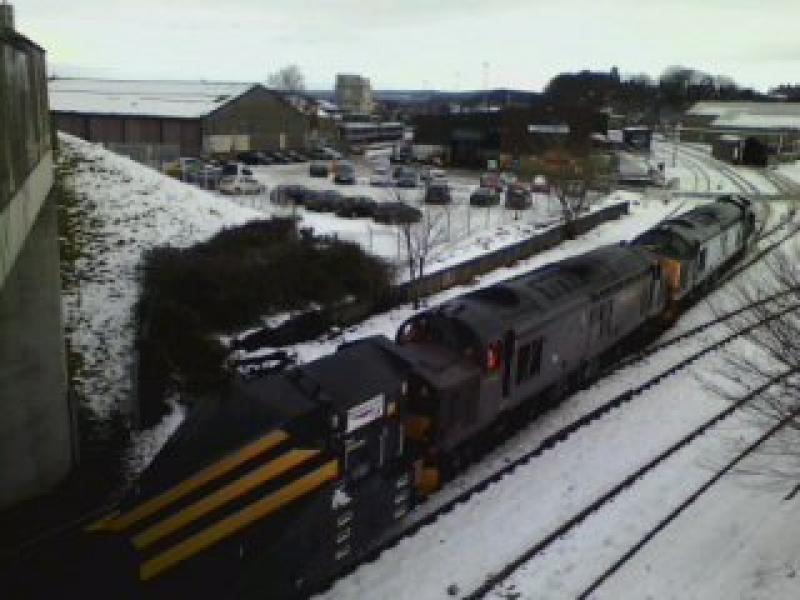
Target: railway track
<point>692,498</point>
<point>409,529</point>
<point>700,157</point>
<point>540,545</point>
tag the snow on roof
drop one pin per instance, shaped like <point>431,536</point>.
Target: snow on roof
<point>178,99</point>
<point>752,121</point>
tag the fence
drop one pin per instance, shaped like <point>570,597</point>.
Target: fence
<point>468,270</point>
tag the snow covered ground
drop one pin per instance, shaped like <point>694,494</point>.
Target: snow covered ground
<point>125,209</point>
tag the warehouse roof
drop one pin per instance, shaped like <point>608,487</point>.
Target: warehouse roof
<point>750,115</point>
<point>178,99</point>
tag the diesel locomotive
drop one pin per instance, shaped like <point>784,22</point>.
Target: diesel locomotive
<point>285,480</point>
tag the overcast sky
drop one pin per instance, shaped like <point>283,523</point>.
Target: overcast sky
<point>413,44</point>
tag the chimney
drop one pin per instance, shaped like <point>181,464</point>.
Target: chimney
<point>6,16</point>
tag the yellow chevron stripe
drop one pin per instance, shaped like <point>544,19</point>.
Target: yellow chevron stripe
<point>234,490</point>
<point>237,521</point>
<point>199,479</point>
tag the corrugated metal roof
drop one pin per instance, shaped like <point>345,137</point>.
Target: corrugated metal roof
<point>750,115</point>
<point>178,99</point>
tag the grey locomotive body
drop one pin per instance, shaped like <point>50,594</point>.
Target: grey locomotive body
<point>540,333</point>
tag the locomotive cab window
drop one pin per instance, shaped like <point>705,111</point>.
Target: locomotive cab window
<point>701,261</point>
<point>529,360</point>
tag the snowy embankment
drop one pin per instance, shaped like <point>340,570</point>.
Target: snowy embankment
<point>124,209</point>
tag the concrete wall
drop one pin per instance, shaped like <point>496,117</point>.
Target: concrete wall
<point>36,425</point>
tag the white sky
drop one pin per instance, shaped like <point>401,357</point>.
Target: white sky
<point>412,44</point>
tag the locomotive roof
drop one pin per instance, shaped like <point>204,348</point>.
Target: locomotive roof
<point>704,222</point>
<point>546,290</point>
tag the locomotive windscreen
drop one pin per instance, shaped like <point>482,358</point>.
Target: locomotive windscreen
<point>435,328</point>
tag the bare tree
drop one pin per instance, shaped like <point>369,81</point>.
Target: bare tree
<point>569,179</point>
<point>421,239</point>
<point>769,348</point>
<point>288,79</point>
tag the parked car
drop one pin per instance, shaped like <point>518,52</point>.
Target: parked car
<point>406,177</point>
<point>325,153</point>
<point>491,180</point>
<point>234,168</point>
<point>518,197</point>
<point>438,193</point>
<point>318,168</point>
<point>356,207</point>
<point>381,175</point>
<point>394,213</point>
<point>288,194</point>
<point>540,185</point>
<point>251,158</point>
<point>295,156</point>
<point>344,172</point>
<point>240,184</point>
<point>324,201</point>
<point>280,158</point>
<point>507,178</point>
<point>429,174</point>
<point>484,196</point>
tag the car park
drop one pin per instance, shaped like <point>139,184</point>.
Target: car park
<point>484,197</point>
<point>396,213</point>
<point>240,184</point>
<point>319,168</point>
<point>438,193</point>
<point>518,197</point>
<point>344,172</point>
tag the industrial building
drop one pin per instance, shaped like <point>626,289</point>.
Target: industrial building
<point>775,125</point>
<point>158,121</point>
<point>37,428</point>
<point>354,94</point>
<point>472,139</point>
